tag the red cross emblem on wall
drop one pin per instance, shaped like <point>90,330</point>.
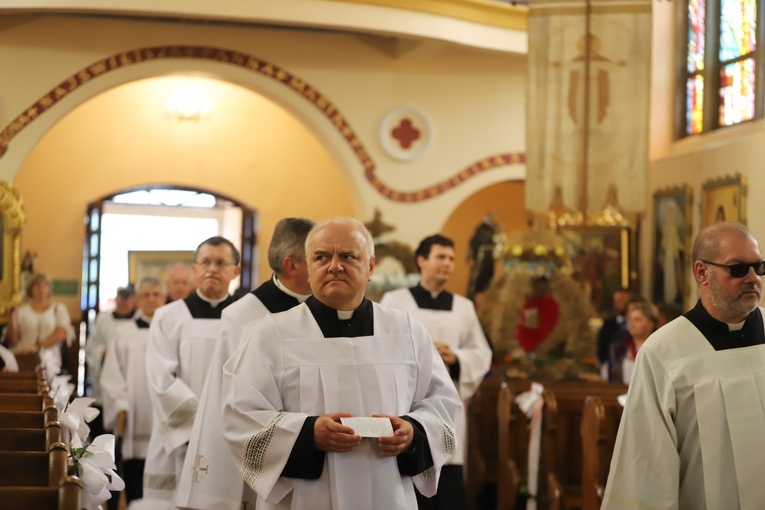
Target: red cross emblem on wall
<point>405,133</point>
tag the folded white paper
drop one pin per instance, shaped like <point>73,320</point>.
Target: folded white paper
<point>369,427</point>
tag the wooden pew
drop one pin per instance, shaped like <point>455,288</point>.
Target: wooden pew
<point>512,443</point>
<point>27,362</point>
<point>30,439</point>
<point>482,440</point>
<point>34,469</point>
<point>67,497</point>
<point>600,423</point>
<point>562,445</point>
<point>24,402</point>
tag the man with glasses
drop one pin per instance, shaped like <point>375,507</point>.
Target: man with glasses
<point>210,477</point>
<point>692,431</point>
<point>182,339</point>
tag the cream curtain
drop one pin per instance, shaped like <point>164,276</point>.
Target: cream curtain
<point>588,117</point>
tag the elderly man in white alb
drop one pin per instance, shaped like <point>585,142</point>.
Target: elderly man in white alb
<point>301,373</point>
<point>182,339</point>
<point>691,437</point>
<point>126,394</point>
<point>210,476</point>
<point>459,339</point>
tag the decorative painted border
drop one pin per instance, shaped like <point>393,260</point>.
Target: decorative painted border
<point>264,68</point>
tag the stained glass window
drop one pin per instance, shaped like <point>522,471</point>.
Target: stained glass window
<point>727,69</point>
<point>695,106</point>
<point>696,21</point>
<point>737,92</point>
<point>738,21</point>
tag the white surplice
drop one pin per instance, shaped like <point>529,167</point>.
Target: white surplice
<point>286,371</point>
<point>460,330</point>
<point>210,477</point>
<point>123,381</point>
<point>99,341</point>
<point>691,437</point>
<point>177,358</point>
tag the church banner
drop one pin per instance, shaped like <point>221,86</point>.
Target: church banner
<point>588,101</point>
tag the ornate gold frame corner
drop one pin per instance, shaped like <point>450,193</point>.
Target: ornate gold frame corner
<point>13,218</point>
<point>727,194</point>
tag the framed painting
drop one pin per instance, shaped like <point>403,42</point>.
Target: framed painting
<point>723,199</point>
<point>155,263</point>
<point>601,260</point>
<point>672,215</point>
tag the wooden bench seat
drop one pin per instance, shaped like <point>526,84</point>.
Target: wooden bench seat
<point>34,469</point>
<point>66,497</point>
<point>599,426</point>
<point>24,402</point>
<point>30,439</point>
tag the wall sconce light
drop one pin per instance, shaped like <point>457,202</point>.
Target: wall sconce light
<point>188,103</point>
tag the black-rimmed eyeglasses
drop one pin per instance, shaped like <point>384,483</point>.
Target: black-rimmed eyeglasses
<point>741,270</point>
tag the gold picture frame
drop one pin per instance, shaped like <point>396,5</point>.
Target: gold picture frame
<point>672,234</point>
<point>724,199</point>
<point>12,219</point>
<point>602,259</point>
<point>142,264</point>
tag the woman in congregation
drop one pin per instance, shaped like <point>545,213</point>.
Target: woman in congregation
<point>40,325</point>
<point>642,320</point>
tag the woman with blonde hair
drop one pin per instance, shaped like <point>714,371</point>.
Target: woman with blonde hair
<point>40,325</point>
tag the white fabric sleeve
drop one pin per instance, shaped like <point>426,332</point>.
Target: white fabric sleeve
<point>436,406</point>
<point>65,321</point>
<point>474,355</point>
<point>95,345</point>
<point>175,404</point>
<point>259,433</point>
<point>645,467</point>
<point>114,384</point>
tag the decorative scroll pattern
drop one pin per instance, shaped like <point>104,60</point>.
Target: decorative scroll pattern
<point>264,68</point>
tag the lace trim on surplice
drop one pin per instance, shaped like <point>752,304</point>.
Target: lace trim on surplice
<point>256,449</point>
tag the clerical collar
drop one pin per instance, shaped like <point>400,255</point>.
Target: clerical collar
<point>128,315</point>
<point>300,297</point>
<point>273,298</point>
<point>724,336</point>
<point>213,302</point>
<point>425,299</point>
<point>139,315</point>
<point>201,308</point>
<point>360,322</point>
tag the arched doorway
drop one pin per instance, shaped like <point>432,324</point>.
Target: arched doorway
<point>157,225</point>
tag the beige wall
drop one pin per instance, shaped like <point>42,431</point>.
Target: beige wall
<point>104,137</point>
<point>692,160</point>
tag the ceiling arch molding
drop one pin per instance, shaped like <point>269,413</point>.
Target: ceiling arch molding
<point>75,83</point>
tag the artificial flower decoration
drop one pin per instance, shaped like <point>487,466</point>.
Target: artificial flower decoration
<point>76,417</point>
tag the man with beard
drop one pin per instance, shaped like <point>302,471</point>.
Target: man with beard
<point>691,433</point>
<point>182,339</point>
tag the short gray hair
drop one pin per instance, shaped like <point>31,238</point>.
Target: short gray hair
<point>289,240</point>
<point>706,246</point>
<point>369,242</point>
<point>150,282</point>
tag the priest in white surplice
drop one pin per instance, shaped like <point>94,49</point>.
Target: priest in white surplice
<point>459,339</point>
<point>127,410</point>
<point>182,339</point>
<point>335,356</point>
<point>210,476</point>
<point>691,437</point>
